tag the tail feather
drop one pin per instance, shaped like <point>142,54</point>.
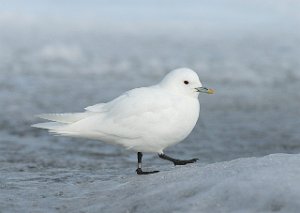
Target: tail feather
<point>65,118</point>
<point>61,122</point>
<point>55,128</point>
<point>48,125</point>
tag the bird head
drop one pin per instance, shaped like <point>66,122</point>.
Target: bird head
<point>184,81</point>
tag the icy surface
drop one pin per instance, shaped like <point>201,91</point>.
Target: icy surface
<point>267,184</point>
<point>60,58</point>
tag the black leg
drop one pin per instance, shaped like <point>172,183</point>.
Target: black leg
<point>139,170</point>
<point>177,161</point>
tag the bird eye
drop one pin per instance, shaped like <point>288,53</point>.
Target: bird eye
<point>186,82</point>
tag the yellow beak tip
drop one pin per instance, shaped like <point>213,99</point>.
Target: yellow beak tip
<point>211,91</point>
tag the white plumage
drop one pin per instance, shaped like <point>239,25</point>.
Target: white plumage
<point>146,119</point>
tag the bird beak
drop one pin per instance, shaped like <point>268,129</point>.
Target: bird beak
<point>205,90</point>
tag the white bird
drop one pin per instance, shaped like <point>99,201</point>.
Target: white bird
<point>146,119</point>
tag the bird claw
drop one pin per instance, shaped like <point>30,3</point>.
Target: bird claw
<point>184,162</point>
<point>139,171</point>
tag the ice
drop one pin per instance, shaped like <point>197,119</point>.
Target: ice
<point>60,58</point>
<point>265,184</point>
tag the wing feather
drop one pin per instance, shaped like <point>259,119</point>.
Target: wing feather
<point>126,116</point>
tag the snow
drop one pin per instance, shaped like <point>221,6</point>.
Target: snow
<point>264,184</point>
<point>56,62</point>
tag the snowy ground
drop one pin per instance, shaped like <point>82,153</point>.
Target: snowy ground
<point>254,113</point>
<point>59,67</point>
<point>268,184</point>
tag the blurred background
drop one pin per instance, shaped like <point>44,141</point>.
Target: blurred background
<point>61,56</point>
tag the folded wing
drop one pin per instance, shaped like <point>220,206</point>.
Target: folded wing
<point>124,118</point>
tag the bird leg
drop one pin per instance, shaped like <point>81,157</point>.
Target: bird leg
<point>139,170</point>
<point>177,161</point>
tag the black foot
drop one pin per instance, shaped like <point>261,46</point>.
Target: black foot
<point>184,162</point>
<point>139,171</point>
<point>177,161</point>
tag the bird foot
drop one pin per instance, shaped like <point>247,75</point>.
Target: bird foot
<point>139,171</point>
<point>184,162</point>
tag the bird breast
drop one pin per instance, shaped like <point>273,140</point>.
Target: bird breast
<point>177,122</point>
